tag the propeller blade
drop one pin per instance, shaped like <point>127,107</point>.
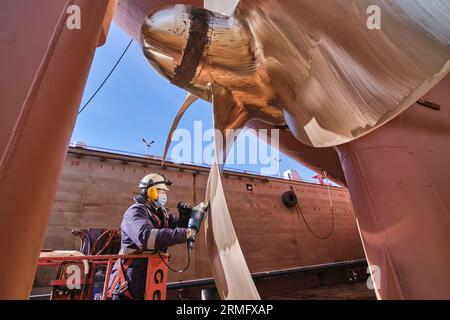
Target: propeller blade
<point>190,99</point>
<point>231,274</point>
<point>228,115</point>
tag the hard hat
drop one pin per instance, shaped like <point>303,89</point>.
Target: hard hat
<point>155,179</point>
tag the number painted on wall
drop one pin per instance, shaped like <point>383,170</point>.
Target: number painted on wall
<point>75,163</point>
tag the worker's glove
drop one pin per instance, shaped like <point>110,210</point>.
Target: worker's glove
<point>190,234</point>
<point>184,210</point>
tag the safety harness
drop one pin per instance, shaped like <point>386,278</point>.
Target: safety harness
<point>123,288</point>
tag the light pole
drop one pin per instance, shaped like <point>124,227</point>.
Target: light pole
<point>279,167</point>
<point>147,146</point>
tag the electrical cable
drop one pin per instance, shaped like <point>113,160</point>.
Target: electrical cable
<point>111,234</point>
<point>307,225</point>
<point>106,79</point>
<point>183,269</point>
<point>188,248</point>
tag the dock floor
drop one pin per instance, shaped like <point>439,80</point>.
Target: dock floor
<point>349,291</point>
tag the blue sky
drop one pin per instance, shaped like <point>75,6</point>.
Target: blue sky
<point>137,103</point>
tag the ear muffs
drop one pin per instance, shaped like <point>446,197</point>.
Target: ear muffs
<point>152,193</point>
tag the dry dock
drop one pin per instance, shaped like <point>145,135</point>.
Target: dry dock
<point>97,186</point>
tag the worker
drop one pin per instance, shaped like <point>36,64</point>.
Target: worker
<point>147,225</point>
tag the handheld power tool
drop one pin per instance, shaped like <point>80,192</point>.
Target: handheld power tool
<point>198,214</point>
<point>196,217</point>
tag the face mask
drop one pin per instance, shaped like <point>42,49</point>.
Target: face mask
<point>162,200</point>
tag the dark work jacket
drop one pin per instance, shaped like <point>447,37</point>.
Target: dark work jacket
<point>144,228</point>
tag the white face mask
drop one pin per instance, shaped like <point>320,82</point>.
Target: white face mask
<point>162,200</point>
